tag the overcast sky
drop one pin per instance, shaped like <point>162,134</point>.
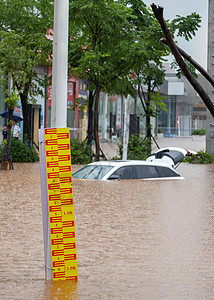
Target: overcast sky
<point>197,47</point>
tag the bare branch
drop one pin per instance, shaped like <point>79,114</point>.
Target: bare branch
<point>158,12</point>
<point>139,93</point>
<point>89,25</point>
<point>193,62</point>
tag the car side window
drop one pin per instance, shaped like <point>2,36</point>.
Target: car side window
<point>166,172</point>
<point>124,172</point>
<point>142,172</point>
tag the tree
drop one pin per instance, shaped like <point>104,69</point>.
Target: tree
<point>11,101</point>
<point>150,72</point>
<point>24,25</point>
<point>100,50</point>
<point>112,40</point>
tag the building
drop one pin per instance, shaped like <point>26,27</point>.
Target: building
<point>185,109</point>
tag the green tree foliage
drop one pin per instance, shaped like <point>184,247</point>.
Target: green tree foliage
<point>110,40</point>
<point>80,152</point>
<point>202,157</point>
<point>100,50</point>
<point>24,25</point>
<point>138,148</point>
<point>185,26</point>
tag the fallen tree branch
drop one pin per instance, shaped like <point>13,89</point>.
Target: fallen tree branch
<point>193,62</point>
<point>158,12</point>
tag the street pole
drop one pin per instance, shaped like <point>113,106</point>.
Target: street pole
<point>60,64</point>
<point>126,127</point>
<point>105,119</point>
<point>55,164</point>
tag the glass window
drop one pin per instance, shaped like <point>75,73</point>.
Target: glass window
<point>142,172</point>
<point>92,172</point>
<point>166,172</point>
<point>124,172</point>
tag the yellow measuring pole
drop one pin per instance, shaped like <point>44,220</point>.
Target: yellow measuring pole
<point>58,204</point>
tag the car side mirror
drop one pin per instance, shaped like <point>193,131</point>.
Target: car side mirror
<point>113,177</point>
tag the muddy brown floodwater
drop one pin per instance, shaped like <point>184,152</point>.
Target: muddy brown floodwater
<point>136,239</point>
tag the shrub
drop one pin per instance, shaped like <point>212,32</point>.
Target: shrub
<point>21,152</point>
<point>201,157</point>
<point>199,132</point>
<point>138,148</point>
<point>80,152</point>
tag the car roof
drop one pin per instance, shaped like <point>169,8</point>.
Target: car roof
<point>120,163</point>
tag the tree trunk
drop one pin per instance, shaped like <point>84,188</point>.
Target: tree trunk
<point>146,108</point>
<point>26,117</point>
<point>90,117</point>
<point>148,117</point>
<point>6,157</point>
<point>24,91</point>
<point>148,126</point>
<point>158,12</point>
<point>141,99</point>
<point>96,124</point>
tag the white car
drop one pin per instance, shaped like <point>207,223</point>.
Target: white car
<point>159,165</point>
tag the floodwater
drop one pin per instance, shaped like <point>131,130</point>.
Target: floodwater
<point>136,239</point>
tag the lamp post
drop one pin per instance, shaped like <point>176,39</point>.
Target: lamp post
<point>60,64</point>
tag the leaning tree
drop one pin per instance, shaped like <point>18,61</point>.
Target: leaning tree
<point>150,71</point>
<point>158,12</point>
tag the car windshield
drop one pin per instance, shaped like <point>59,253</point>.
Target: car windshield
<point>92,172</point>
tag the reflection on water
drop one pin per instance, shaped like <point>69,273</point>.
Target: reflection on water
<point>136,239</point>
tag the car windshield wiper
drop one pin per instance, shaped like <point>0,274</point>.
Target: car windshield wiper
<point>98,174</point>
<point>88,173</point>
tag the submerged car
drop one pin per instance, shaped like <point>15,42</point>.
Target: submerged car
<point>159,165</point>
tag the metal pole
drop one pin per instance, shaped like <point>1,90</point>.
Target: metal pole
<point>126,127</point>
<point>105,119</point>
<point>60,64</point>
